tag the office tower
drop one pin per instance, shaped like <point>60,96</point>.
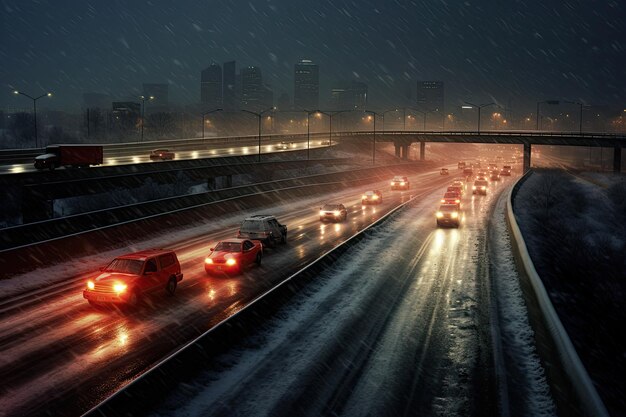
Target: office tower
<point>358,91</point>
<point>284,103</point>
<point>429,96</point>
<point>349,96</point>
<point>211,87</point>
<point>229,89</point>
<point>252,89</point>
<point>306,85</point>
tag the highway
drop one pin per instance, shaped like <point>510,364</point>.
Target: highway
<point>61,355</point>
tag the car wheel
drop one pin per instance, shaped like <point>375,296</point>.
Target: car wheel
<point>345,217</point>
<point>258,259</point>
<point>438,224</point>
<point>171,286</point>
<point>283,238</point>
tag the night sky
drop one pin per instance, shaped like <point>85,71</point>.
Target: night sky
<point>507,50</point>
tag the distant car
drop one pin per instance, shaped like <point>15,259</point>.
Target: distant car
<point>455,189</point>
<point>285,145</point>
<point>325,142</point>
<point>506,170</point>
<point>492,167</point>
<point>233,256</point>
<point>443,171</point>
<point>494,176</point>
<point>372,197</point>
<point>162,155</point>
<point>482,174</point>
<point>480,187</point>
<point>129,277</point>
<point>452,197</point>
<point>264,228</point>
<point>458,183</point>
<point>400,183</point>
<point>333,212</point>
<point>448,215</point>
<point>468,172</point>
<point>461,165</point>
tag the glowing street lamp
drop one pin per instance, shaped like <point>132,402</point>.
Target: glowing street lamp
<point>34,99</point>
<point>259,116</point>
<point>373,115</point>
<point>203,116</point>
<point>469,105</point>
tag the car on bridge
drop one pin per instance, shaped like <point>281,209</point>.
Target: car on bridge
<point>453,198</point>
<point>265,228</point>
<point>400,183</point>
<point>506,170</point>
<point>233,256</point>
<point>443,171</point>
<point>495,175</point>
<point>333,212</point>
<point>162,155</point>
<point>492,167</point>
<point>448,215</point>
<point>480,187</point>
<point>372,197</point>
<point>468,172</point>
<point>129,278</point>
<point>461,165</point>
<point>285,145</point>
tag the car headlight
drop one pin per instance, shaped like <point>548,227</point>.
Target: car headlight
<point>375,197</point>
<point>457,201</point>
<point>443,200</point>
<point>231,261</point>
<point>439,214</point>
<point>363,197</point>
<point>483,188</point>
<point>208,261</point>
<point>455,214</point>
<point>336,213</point>
<point>393,183</point>
<point>321,213</point>
<point>91,285</point>
<point>118,288</point>
<point>473,187</point>
<point>402,183</point>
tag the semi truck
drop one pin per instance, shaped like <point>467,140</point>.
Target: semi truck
<point>75,156</point>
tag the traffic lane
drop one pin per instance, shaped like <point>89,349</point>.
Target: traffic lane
<point>408,338</point>
<point>97,337</point>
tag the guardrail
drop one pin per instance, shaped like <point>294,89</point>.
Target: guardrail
<point>154,384</point>
<point>570,383</point>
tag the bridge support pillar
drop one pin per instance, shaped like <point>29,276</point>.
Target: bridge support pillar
<point>617,159</point>
<point>398,149</point>
<point>422,151</point>
<point>405,152</point>
<point>526,157</point>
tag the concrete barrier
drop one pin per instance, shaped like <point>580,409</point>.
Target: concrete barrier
<point>570,384</point>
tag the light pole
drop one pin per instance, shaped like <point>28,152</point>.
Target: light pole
<point>404,109</point>
<point>143,111</point>
<point>479,107</point>
<point>34,99</point>
<point>259,115</point>
<point>580,116</point>
<point>384,113</point>
<point>552,102</point>
<point>204,114</point>
<point>374,114</point>
<point>330,116</point>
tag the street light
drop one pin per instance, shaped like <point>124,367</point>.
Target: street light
<point>34,99</point>
<point>374,114</point>
<point>204,114</point>
<point>384,113</point>
<point>469,105</point>
<point>552,102</point>
<point>143,111</point>
<point>580,116</point>
<point>330,130</point>
<point>259,116</point>
<point>404,109</point>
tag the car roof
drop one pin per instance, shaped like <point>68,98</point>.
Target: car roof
<point>144,254</point>
<point>448,206</point>
<point>259,217</point>
<point>233,240</point>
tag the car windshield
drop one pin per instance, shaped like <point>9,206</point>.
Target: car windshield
<point>481,183</point>
<point>450,195</point>
<point>447,208</point>
<point>252,226</point>
<point>399,178</point>
<point>330,207</point>
<point>125,266</point>
<point>228,247</point>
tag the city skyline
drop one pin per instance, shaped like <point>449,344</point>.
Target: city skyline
<point>391,47</point>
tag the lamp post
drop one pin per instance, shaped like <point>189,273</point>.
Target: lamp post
<point>469,105</point>
<point>34,99</point>
<point>143,111</point>
<point>204,114</point>
<point>553,102</point>
<point>580,116</point>
<point>385,112</point>
<point>259,115</point>
<point>374,114</point>
<point>404,109</point>
<point>330,130</point>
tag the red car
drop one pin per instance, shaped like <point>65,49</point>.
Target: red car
<point>233,256</point>
<point>127,278</point>
<point>452,198</point>
<point>162,154</point>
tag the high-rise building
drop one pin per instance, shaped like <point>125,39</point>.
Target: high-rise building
<point>349,96</point>
<point>253,92</point>
<point>306,86</point>
<point>229,90</point>
<point>211,87</point>
<point>430,96</point>
<point>160,92</point>
<point>358,92</point>
<point>284,103</point>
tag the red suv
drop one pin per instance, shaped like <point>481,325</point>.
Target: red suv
<point>127,278</point>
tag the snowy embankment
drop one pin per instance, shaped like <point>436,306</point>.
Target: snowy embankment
<point>575,230</point>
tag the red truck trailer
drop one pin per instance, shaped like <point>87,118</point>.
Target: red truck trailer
<point>77,156</point>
